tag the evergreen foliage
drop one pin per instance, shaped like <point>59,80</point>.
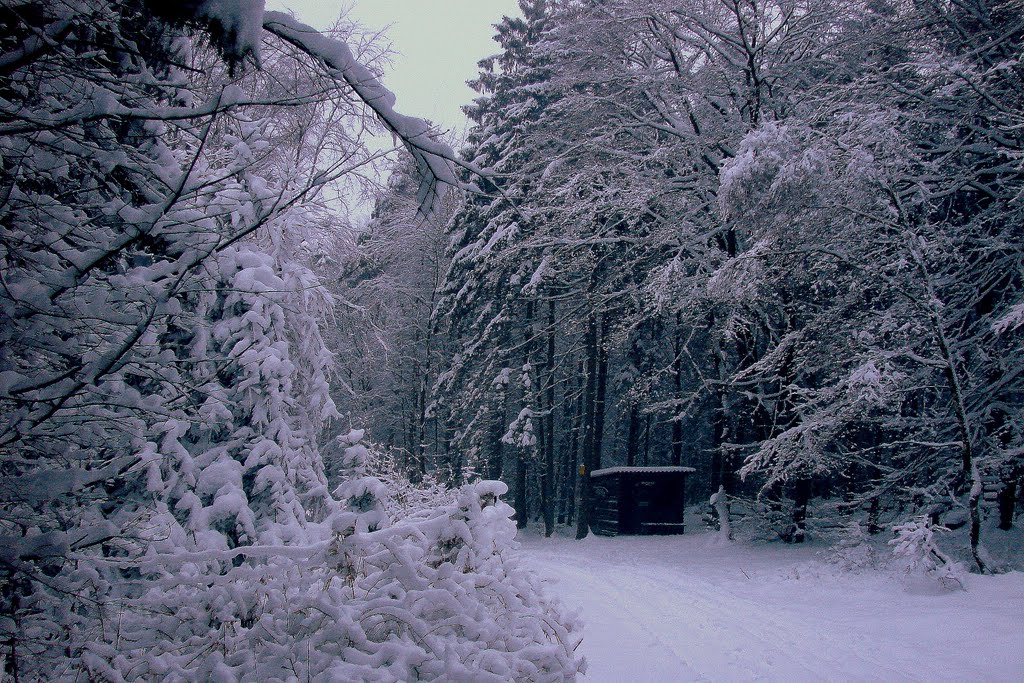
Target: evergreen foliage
<point>777,241</point>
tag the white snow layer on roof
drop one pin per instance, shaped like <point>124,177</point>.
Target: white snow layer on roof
<point>639,470</point>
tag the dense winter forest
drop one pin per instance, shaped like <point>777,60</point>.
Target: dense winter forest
<point>247,435</point>
<point>779,242</point>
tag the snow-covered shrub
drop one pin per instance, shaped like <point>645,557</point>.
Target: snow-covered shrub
<point>855,550</point>
<point>438,597</point>
<point>448,587</point>
<point>760,518</point>
<point>719,516</point>
<point>405,497</point>
<point>917,552</point>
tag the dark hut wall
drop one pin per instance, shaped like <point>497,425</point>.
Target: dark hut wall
<point>639,500</point>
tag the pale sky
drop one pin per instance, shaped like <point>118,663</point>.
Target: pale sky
<point>437,45</point>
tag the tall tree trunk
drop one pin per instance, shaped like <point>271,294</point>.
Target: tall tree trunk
<point>600,399</point>
<point>522,505</point>
<point>532,399</point>
<point>589,407</point>
<point>496,462</point>
<point>874,474</point>
<point>722,425</point>
<point>1008,501</point>
<point>572,453</point>
<point>633,434</point>
<point>454,460</point>
<point>549,481</point>
<point>969,463</point>
<point>969,472</point>
<point>801,497</point>
<point>647,440</point>
<point>677,441</point>
<point>677,379</point>
<point>423,377</point>
<point>421,417</point>
<point>412,465</point>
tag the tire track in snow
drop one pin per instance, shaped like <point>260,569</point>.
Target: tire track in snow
<point>716,630</point>
<point>789,637</point>
<point>658,617</point>
<point>704,635</point>
<point>634,634</point>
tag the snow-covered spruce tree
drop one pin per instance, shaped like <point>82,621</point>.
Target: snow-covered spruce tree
<point>564,243</point>
<point>164,508</point>
<point>649,129</point>
<point>492,377</point>
<point>825,394</point>
<point>915,549</point>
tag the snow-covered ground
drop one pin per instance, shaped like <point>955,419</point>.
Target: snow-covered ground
<point>689,608</point>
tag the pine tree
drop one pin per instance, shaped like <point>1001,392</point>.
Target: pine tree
<point>494,366</point>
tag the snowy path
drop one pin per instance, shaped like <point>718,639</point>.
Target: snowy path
<point>686,608</point>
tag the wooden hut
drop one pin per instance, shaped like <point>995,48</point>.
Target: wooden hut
<point>638,500</point>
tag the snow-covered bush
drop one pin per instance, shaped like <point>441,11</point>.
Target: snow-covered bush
<point>758,518</point>
<point>917,552</point>
<point>440,596</point>
<point>719,513</point>
<point>855,550</point>
<point>405,497</point>
<point>401,497</point>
